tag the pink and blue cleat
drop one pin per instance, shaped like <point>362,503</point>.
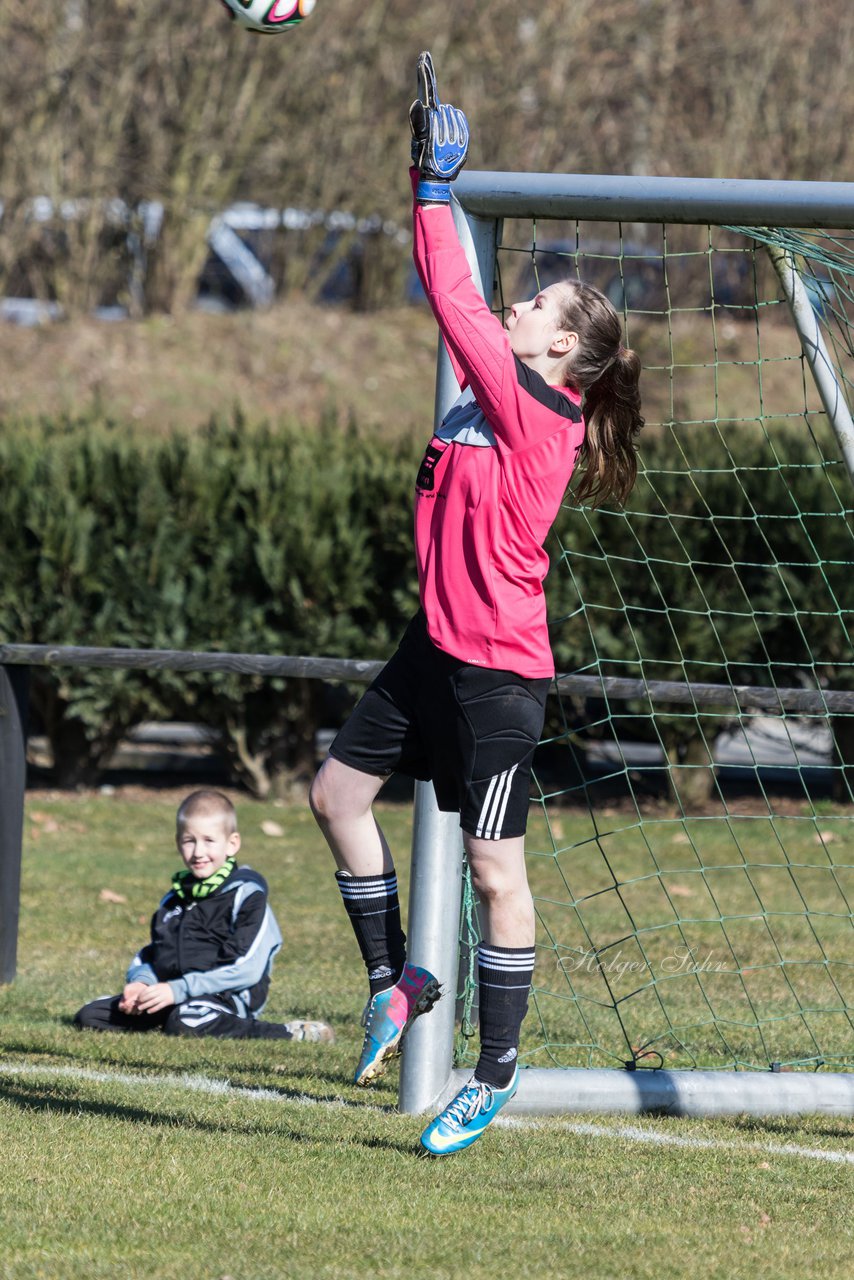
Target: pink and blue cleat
<point>464,1120</point>
<point>389,1015</point>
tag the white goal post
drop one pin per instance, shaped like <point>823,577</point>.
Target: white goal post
<point>428,1076</point>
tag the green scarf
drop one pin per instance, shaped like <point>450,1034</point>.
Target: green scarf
<point>185,885</point>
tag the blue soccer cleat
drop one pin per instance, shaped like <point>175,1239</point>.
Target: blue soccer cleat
<point>464,1120</point>
<point>388,1017</point>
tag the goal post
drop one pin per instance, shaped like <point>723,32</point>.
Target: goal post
<point>816,353</point>
<point>436,881</point>
<point>777,1007</point>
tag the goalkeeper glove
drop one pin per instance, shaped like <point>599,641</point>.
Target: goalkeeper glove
<point>440,138</point>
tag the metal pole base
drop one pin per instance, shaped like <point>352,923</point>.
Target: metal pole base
<point>547,1091</point>
<point>434,933</point>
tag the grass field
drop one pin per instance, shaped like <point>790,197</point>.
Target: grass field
<point>688,937</point>
<point>141,1156</point>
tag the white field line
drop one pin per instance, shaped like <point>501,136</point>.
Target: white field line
<point>189,1083</point>
<point>628,1132</point>
<point>633,1133</point>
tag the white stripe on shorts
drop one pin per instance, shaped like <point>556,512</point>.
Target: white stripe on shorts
<point>491,818</point>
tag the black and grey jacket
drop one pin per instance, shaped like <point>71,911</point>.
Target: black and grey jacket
<point>224,943</point>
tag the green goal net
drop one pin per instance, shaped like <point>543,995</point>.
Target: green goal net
<point>689,845</point>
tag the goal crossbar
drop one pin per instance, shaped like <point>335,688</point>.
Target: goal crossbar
<point>618,198</point>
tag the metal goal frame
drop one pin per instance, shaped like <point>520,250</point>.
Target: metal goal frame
<point>428,1078</point>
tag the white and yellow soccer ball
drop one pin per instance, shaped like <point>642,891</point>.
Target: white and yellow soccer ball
<point>269,17</point>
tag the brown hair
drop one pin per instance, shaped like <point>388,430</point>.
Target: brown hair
<point>608,374</point>
<point>205,803</point>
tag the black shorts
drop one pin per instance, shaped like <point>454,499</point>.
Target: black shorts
<point>470,730</point>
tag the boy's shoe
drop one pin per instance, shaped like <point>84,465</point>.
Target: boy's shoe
<point>389,1015</point>
<point>317,1031</point>
<point>464,1120</point>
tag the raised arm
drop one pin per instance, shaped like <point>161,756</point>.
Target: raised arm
<point>521,407</point>
<point>476,340</point>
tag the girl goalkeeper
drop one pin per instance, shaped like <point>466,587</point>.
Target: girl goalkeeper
<point>462,701</point>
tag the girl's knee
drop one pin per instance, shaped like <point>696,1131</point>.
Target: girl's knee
<point>497,868</point>
<point>317,795</point>
<point>491,888</point>
<point>339,793</point>
<point>325,796</point>
<point>489,881</point>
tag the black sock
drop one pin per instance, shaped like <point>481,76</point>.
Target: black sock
<point>504,976</point>
<point>372,904</point>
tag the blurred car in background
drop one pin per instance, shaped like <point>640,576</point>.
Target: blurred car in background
<point>256,254</point>
<point>637,277</point>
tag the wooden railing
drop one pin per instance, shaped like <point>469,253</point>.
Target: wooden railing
<point>16,659</point>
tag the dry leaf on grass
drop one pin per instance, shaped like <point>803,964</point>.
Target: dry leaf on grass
<point>44,822</point>
<point>107,895</point>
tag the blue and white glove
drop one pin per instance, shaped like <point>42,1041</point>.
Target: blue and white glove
<point>440,138</point>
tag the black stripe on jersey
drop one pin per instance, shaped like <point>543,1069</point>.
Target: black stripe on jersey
<point>536,386</point>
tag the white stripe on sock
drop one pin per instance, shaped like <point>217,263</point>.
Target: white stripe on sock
<point>504,953</point>
<point>380,889</point>
<point>494,962</point>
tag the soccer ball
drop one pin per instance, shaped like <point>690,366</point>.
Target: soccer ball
<point>268,17</point>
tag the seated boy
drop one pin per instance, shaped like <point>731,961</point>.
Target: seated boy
<point>206,970</point>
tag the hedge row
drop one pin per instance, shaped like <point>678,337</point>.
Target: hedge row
<point>734,556</point>
<point>734,562</point>
<point>290,540</point>
<point>237,539</point>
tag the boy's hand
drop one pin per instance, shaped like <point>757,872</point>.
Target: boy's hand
<point>130,996</point>
<point>155,998</point>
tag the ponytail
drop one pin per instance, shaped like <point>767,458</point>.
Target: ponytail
<point>608,375</point>
<point>613,421</point>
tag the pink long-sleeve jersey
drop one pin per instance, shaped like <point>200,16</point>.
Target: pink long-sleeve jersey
<point>493,476</point>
